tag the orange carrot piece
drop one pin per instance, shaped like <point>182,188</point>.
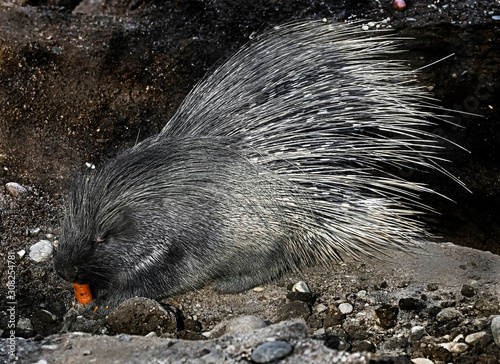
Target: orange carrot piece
<point>82,292</point>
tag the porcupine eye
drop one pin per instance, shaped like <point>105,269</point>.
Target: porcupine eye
<point>99,240</point>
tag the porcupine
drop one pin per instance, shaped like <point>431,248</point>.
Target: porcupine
<point>282,157</point>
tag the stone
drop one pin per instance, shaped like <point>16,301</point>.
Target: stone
<point>495,329</point>
<point>387,315</point>
<point>140,316</point>
<point>271,351</point>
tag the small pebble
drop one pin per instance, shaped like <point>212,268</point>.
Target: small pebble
<point>495,330</point>
<point>387,316</point>
<point>24,324</point>
<point>258,289</point>
<point>448,314</point>
<point>467,291</point>
<point>411,304</point>
<point>417,333</point>
<point>495,17</point>
<point>321,308</point>
<point>87,352</point>
<point>271,351</point>
<point>291,310</point>
<point>455,348</point>
<point>361,294</point>
<point>346,308</point>
<point>49,347</point>
<point>15,189</point>
<point>432,287</point>
<point>34,231</point>
<point>301,286</point>
<point>21,253</point>
<point>41,251</point>
<point>422,361</point>
<point>471,339</point>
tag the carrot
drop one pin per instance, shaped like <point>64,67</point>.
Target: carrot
<point>82,292</point>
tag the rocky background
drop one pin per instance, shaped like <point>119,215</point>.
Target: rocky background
<point>82,80</point>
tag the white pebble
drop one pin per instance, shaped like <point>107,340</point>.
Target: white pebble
<point>41,251</point>
<point>258,289</point>
<point>15,189</point>
<point>345,308</point>
<point>24,324</point>
<point>50,347</point>
<point>34,231</point>
<point>321,308</point>
<point>21,253</point>
<point>475,337</point>
<point>301,286</point>
<point>495,329</point>
<point>422,361</point>
<point>455,348</point>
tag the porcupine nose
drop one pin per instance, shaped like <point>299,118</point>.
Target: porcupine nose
<point>68,273</point>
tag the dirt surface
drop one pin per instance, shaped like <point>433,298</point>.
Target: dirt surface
<point>82,82</point>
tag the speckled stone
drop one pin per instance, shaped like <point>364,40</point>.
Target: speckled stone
<point>271,351</point>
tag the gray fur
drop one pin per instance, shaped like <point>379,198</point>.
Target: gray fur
<point>278,160</point>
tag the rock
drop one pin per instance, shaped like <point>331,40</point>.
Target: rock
<point>432,287</point>
<point>337,343</point>
<point>448,314</point>
<point>345,308</point>
<point>33,231</point>
<point>473,338</point>
<point>24,324</point>
<point>333,317</point>
<point>321,308</point>
<point>301,286</point>
<point>422,361</point>
<point>468,291</point>
<point>495,329</point>
<point>236,325</point>
<point>41,251</point>
<point>73,321</point>
<point>363,345</point>
<point>271,351</point>
<point>24,327</point>
<point>15,189</point>
<point>140,316</point>
<point>455,348</point>
<point>290,310</point>
<point>416,333</point>
<point>387,316</point>
<point>411,304</point>
<point>306,297</point>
